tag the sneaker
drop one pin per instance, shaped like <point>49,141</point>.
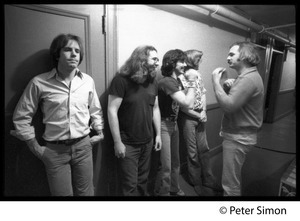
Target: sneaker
<point>179,193</point>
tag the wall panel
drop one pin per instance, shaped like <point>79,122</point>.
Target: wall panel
<point>142,24</point>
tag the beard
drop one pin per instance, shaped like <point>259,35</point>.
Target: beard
<point>148,73</point>
<point>151,75</point>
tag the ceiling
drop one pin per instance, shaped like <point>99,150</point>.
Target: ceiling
<point>270,16</point>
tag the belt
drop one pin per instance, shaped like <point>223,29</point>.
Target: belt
<point>67,142</point>
<point>173,119</point>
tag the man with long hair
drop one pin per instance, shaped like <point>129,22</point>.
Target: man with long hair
<point>192,127</point>
<point>243,112</point>
<point>171,97</point>
<point>132,112</point>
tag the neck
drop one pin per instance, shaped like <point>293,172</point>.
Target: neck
<point>174,75</point>
<point>239,69</point>
<point>66,74</point>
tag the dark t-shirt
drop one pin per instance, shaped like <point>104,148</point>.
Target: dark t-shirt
<point>136,110</point>
<point>166,87</point>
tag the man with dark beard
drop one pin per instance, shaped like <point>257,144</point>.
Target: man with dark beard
<point>132,111</point>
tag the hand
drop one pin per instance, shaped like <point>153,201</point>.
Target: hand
<point>35,148</point>
<point>217,74</point>
<point>191,75</point>
<point>158,143</point>
<point>227,84</point>
<point>203,116</point>
<point>96,139</point>
<point>120,149</point>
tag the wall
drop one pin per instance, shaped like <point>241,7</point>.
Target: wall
<point>170,27</point>
<point>140,24</point>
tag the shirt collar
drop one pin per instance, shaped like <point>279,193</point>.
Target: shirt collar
<point>53,73</point>
<point>248,70</point>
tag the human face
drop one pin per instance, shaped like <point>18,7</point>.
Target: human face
<point>180,67</point>
<point>152,61</point>
<point>233,58</point>
<point>69,56</point>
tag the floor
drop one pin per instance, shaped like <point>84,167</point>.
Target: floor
<point>267,162</point>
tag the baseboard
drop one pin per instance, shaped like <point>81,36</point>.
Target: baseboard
<point>216,150</point>
<point>283,115</point>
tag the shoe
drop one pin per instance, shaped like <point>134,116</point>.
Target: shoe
<point>179,193</point>
<point>204,191</point>
<point>215,186</point>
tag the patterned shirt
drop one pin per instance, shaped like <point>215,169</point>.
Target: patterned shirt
<point>199,90</point>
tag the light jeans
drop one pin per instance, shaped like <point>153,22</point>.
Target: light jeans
<point>168,174</point>
<point>70,168</point>
<point>193,135</point>
<point>234,155</point>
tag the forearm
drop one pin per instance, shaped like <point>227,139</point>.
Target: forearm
<point>190,112</point>
<point>190,96</point>
<point>24,112</point>
<point>223,99</point>
<point>97,125</point>
<point>114,126</point>
<point>22,119</point>
<point>96,114</point>
<point>203,99</point>
<point>32,143</point>
<point>157,121</point>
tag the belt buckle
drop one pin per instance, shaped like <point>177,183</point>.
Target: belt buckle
<point>172,119</point>
<point>70,142</point>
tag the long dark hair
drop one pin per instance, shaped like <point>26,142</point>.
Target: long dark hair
<point>170,59</point>
<point>134,67</point>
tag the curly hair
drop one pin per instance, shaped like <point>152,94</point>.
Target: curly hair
<point>170,59</point>
<point>135,66</point>
<point>193,58</point>
<point>248,53</point>
<point>60,42</point>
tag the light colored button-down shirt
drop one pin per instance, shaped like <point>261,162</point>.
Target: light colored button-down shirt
<point>67,109</point>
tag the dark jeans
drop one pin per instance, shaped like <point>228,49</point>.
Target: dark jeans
<point>194,138</point>
<point>134,169</point>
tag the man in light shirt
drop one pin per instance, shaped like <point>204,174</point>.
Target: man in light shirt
<point>71,108</point>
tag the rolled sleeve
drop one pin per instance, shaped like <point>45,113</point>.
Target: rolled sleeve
<point>96,113</point>
<point>25,109</point>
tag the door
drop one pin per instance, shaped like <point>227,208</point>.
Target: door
<point>29,31</point>
<point>273,86</point>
